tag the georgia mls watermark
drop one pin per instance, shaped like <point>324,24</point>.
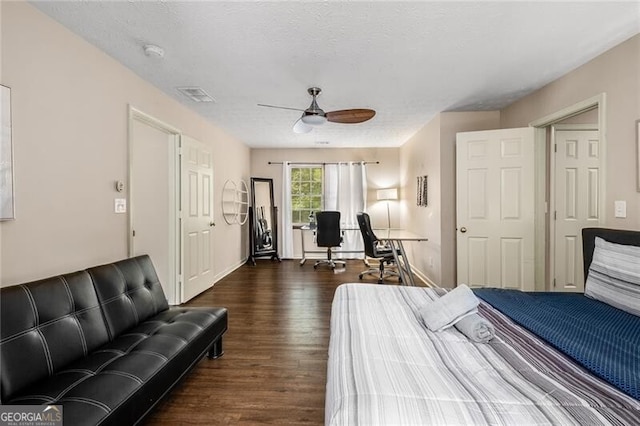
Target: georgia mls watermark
<point>30,415</point>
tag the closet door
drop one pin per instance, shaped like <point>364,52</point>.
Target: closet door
<point>576,202</point>
<point>153,199</point>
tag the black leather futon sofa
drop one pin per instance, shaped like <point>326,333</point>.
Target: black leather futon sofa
<point>102,342</point>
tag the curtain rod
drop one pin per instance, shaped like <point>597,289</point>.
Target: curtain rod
<point>323,163</point>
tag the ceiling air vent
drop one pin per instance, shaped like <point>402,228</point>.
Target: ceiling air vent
<point>196,94</point>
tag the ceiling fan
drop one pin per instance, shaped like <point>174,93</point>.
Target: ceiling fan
<point>315,116</point>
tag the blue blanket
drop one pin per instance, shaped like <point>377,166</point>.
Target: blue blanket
<point>603,339</point>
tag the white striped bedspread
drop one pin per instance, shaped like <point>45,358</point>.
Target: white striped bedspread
<point>386,367</point>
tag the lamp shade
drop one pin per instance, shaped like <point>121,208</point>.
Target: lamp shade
<point>313,119</point>
<point>387,194</point>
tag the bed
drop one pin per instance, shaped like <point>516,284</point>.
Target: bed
<point>556,359</point>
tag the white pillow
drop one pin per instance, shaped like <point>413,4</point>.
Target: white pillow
<point>614,276</point>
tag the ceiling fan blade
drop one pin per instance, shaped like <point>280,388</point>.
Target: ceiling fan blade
<point>350,116</point>
<point>280,107</point>
<point>301,127</point>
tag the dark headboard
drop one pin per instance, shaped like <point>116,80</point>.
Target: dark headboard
<point>618,236</point>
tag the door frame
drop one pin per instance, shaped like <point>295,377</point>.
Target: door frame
<point>173,186</point>
<point>552,191</point>
<point>544,179</point>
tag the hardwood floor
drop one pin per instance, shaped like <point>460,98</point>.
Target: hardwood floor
<point>274,367</point>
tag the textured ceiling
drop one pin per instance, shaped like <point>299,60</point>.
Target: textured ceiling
<point>406,60</point>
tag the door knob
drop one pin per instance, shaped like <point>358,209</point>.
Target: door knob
<point>463,229</point>
<point>212,224</point>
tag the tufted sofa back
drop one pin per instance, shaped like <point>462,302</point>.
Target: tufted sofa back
<point>45,325</point>
<point>129,292</point>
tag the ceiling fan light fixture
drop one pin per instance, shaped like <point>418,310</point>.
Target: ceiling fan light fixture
<point>300,127</point>
<point>314,119</point>
<point>315,116</point>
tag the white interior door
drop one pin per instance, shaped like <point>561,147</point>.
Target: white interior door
<point>576,203</point>
<point>153,200</point>
<point>495,208</point>
<point>197,217</point>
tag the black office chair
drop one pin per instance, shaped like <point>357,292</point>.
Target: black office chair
<point>373,248</point>
<point>328,235</point>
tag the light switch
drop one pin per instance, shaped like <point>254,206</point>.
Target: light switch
<point>120,205</point>
<point>620,209</point>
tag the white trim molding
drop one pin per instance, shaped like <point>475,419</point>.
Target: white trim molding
<point>543,175</point>
<point>174,268</point>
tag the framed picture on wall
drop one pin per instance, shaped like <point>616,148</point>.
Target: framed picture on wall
<point>421,193</point>
<point>638,155</point>
<point>7,207</point>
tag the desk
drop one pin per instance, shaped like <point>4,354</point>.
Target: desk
<point>305,228</point>
<point>395,238</point>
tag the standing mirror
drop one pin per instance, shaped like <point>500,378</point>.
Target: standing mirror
<point>263,217</point>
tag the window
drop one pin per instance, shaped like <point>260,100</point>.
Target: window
<point>306,193</point>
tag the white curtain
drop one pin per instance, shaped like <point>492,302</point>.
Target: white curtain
<point>345,190</point>
<point>286,246</point>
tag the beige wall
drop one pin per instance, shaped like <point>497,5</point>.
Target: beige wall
<point>420,156</point>
<point>587,117</point>
<point>70,125</point>
<point>431,152</point>
<point>616,73</point>
<point>383,175</point>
